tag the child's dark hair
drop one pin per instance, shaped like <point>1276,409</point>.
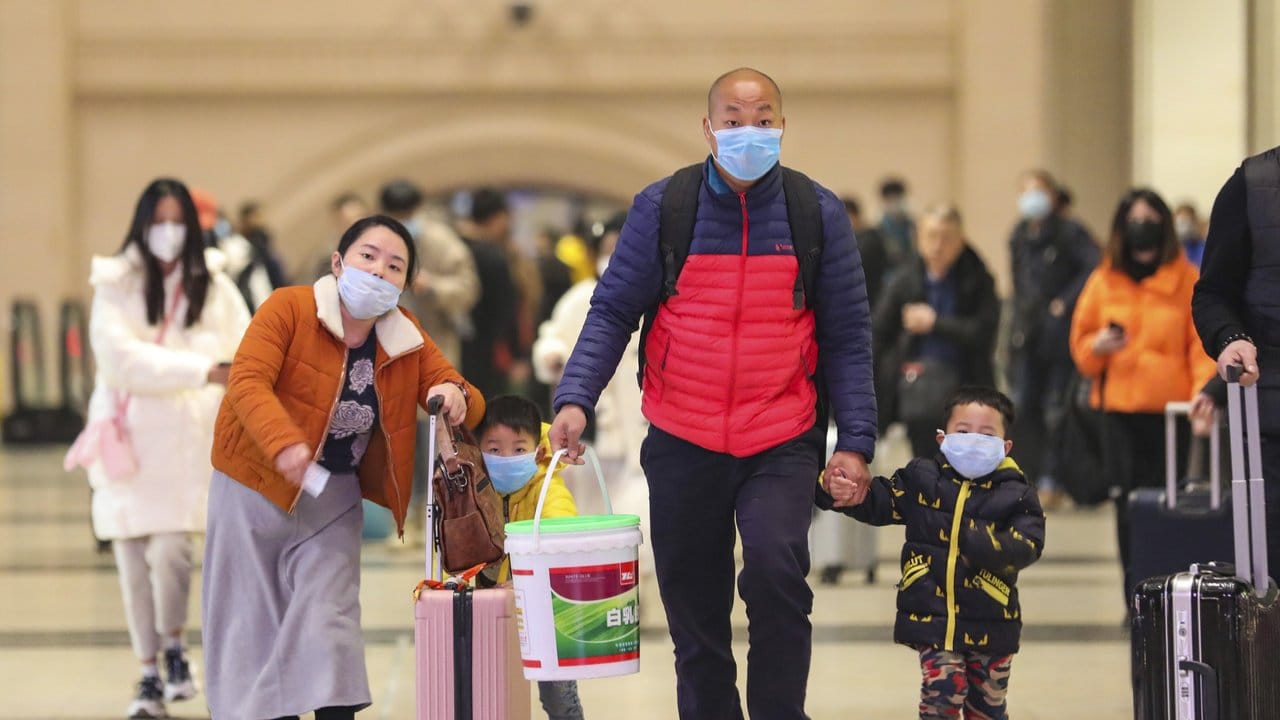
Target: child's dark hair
<point>982,395</point>
<point>513,411</point>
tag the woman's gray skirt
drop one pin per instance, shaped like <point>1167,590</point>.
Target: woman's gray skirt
<point>281,602</point>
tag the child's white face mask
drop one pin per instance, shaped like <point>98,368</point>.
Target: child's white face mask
<point>973,455</point>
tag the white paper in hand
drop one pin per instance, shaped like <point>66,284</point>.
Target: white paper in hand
<point>315,480</point>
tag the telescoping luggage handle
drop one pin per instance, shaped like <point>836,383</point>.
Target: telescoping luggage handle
<point>1171,413</point>
<point>546,485</point>
<point>434,572</point>
<point>1247,493</point>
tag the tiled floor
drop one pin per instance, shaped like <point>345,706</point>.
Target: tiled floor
<point>64,651</point>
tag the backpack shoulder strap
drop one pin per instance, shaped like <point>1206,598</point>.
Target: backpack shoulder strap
<point>678,213</point>
<point>676,217</point>
<point>804,214</point>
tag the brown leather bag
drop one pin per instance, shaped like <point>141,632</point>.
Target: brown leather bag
<point>470,524</point>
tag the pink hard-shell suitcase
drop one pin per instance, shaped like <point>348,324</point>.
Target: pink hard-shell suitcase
<point>468,651</point>
<point>467,648</point>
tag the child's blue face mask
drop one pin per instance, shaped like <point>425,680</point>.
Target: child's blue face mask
<point>509,474</point>
<point>973,455</point>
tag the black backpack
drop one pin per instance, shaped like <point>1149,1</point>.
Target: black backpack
<point>679,212</point>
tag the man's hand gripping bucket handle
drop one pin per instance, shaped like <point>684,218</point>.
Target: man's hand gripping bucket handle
<point>546,485</point>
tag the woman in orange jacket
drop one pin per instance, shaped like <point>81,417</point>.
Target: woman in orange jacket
<point>1132,335</point>
<point>320,410</point>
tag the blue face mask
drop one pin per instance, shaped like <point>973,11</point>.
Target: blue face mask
<point>366,295</point>
<point>509,474</point>
<point>748,152</point>
<point>973,455</point>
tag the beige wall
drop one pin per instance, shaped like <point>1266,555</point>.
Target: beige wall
<point>1191,109</point>
<point>1088,101</point>
<point>292,102</point>
<point>1264,74</point>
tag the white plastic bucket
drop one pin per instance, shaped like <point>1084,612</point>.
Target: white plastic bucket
<point>577,590</point>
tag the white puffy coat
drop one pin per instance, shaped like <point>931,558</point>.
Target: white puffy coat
<point>620,426</point>
<point>172,406</point>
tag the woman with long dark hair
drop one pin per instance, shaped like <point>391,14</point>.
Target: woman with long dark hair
<point>164,322</point>
<point>1133,336</point>
<point>324,394</point>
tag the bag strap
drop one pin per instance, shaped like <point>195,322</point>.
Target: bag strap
<point>123,398</point>
<point>808,236</point>
<point>168,316</point>
<point>804,215</point>
<point>676,218</point>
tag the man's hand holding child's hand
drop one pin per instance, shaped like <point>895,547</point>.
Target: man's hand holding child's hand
<point>843,489</point>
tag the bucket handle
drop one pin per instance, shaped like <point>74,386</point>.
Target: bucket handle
<point>546,485</point>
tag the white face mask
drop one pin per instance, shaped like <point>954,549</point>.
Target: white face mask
<point>1035,204</point>
<point>166,241</point>
<point>973,455</point>
<point>364,294</point>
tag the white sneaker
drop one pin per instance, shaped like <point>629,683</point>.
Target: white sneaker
<point>149,703</point>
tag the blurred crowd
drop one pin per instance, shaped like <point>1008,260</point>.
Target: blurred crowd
<point>507,313</point>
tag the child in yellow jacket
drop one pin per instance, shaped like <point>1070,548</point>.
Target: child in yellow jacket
<point>513,439</point>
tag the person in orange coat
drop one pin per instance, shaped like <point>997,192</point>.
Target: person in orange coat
<point>320,410</point>
<point>1133,336</point>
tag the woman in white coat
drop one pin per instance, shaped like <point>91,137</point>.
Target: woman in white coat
<point>619,426</point>
<point>165,322</point>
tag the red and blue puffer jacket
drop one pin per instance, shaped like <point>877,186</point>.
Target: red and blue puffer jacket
<point>729,360</point>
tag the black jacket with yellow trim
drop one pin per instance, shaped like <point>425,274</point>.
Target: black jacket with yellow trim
<point>966,542</point>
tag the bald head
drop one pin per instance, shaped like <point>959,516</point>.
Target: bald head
<point>748,75</point>
<point>742,98</point>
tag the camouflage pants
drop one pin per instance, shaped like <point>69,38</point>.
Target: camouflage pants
<point>969,685</point>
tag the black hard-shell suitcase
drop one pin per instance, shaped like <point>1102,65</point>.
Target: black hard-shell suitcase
<point>1170,528</point>
<point>1206,643</point>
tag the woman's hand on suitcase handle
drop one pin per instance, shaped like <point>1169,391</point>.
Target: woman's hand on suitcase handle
<point>292,462</point>
<point>846,466</point>
<point>455,405</point>
<point>1201,415</point>
<point>566,433</point>
<point>1241,353</point>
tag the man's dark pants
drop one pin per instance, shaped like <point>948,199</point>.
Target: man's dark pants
<point>695,496</point>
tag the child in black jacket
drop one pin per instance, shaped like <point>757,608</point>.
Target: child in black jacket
<point>973,522</point>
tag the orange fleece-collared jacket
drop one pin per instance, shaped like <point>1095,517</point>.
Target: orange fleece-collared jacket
<point>287,377</point>
<point>1164,360</point>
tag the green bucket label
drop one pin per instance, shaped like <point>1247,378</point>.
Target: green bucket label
<point>597,614</point>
